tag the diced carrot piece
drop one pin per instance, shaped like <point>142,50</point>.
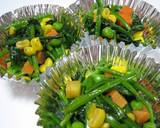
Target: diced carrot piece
<point>142,116</point>
<point>27,68</point>
<point>127,18</point>
<point>147,84</point>
<point>126,13</point>
<point>3,63</point>
<point>118,99</point>
<point>53,32</point>
<point>126,10</point>
<point>40,57</point>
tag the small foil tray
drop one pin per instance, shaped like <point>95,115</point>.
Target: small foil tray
<point>26,12</point>
<point>144,10</point>
<point>88,57</point>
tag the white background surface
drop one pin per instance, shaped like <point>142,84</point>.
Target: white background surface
<point>17,109</point>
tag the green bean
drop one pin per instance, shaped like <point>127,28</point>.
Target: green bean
<point>68,125</point>
<point>50,55</point>
<point>94,81</point>
<point>130,123</point>
<point>120,29</point>
<point>122,21</point>
<point>35,65</point>
<point>140,98</point>
<point>63,97</point>
<point>119,112</point>
<point>144,90</point>
<point>98,18</point>
<point>114,123</point>
<point>50,48</point>
<point>65,120</point>
<point>83,99</point>
<point>138,27</point>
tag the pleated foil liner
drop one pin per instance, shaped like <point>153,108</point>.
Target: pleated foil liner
<point>86,58</point>
<point>27,12</point>
<point>144,10</point>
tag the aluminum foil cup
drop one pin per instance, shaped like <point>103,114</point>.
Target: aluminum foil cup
<point>26,12</point>
<point>85,58</point>
<point>148,13</point>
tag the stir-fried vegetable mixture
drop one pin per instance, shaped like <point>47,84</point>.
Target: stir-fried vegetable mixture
<point>34,43</point>
<point>118,23</point>
<point>108,96</point>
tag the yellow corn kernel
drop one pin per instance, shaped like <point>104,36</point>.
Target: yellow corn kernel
<point>91,109</point>
<point>151,31</point>
<point>105,125</point>
<point>29,51</point>
<point>67,79</point>
<point>138,36</point>
<point>44,22</point>
<point>12,30</point>
<point>88,73</point>
<point>47,28</point>
<point>22,44</point>
<point>105,13</point>
<point>73,89</point>
<point>97,119</point>
<point>120,69</point>
<point>36,44</point>
<point>42,68</point>
<point>48,62</point>
<point>131,116</point>
<point>112,18</point>
<point>67,51</point>
<point>26,78</point>
<point>119,65</point>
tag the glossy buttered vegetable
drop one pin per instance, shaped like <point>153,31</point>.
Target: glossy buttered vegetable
<point>120,23</point>
<point>34,43</point>
<point>101,97</point>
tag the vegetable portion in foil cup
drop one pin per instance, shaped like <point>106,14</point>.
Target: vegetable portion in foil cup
<point>33,38</point>
<point>101,86</point>
<point>131,21</point>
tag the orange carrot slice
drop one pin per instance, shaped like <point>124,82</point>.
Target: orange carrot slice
<point>27,68</point>
<point>142,116</point>
<point>126,10</point>
<point>53,32</point>
<point>126,13</point>
<point>118,99</point>
<point>3,63</point>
